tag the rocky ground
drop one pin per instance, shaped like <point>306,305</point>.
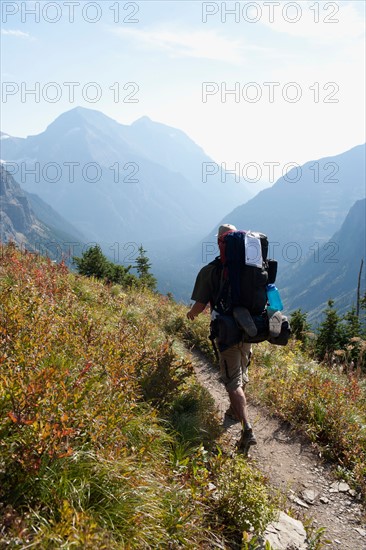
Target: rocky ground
<point>294,466</point>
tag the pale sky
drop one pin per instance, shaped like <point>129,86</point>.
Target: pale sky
<point>253,83</point>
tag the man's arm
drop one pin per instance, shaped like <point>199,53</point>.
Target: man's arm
<point>195,310</point>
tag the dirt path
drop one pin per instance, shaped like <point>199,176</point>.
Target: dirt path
<point>291,464</point>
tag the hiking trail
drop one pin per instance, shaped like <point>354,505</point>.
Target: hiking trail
<point>293,465</point>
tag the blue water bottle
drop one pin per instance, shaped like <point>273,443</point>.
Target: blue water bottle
<point>274,299</point>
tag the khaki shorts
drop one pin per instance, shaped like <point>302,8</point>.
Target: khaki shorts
<point>234,364</point>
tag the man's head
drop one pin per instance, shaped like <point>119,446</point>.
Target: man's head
<point>224,228</point>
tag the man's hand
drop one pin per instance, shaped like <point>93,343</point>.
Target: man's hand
<point>195,310</point>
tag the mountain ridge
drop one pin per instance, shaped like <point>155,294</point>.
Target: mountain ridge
<point>162,194</point>
<point>22,221</point>
<point>305,213</point>
<point>331,272</point>
<point>297,217</point>
<point>158,200</point>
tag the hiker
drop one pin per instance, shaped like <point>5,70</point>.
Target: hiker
<point>234,360</point>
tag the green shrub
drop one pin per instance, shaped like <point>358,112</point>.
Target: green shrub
<point>243,496</point>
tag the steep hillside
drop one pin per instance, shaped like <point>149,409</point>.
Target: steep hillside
<point>47,215</point>
<point>106,440</point>
<point>332,270</point>
<point>32,224</point>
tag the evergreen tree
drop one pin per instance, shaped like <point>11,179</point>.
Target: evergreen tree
<point>355,334</point>
<point>93,263</point>
<point>143,266</point>
<point>331,335</point>
<point>300,326</point>
<point>362,315</point>
<point>353,324</point>
<point>121,275</point>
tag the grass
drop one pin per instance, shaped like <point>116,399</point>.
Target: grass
<point>329,407</point>
<point>106,440</point>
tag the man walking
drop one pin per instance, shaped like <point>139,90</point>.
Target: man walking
<point>234,360</point>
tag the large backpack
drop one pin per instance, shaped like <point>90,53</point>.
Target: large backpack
<point>245,272</point>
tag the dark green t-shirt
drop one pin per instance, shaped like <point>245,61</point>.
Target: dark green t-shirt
<point>207,284</point>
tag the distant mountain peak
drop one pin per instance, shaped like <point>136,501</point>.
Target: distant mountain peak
<point>157,131</point>
<point>80,109</point>
<point>146,123</point>
<point>84,120</point>
<point>80,114</point>
<point>158,167</point>
<point>143,120</point>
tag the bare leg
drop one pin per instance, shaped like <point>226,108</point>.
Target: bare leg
<point>239,404</point>
<point>233,366</point>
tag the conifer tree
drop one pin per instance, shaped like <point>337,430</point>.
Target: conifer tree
<point>143,266</point>
<point>299,325</point>
<point>331,335</point>
<point>92,263</point>
<point>362,315</point>
<point>353,323</point>
<point>121,275</point>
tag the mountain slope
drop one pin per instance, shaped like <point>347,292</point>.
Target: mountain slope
<point>333,272</point>
<point>9,144</point>
<point>25,225</point>
<point>300,213</point>
<point>298,217</point>
<point>173,149</point>
<point>46,214</point>
<point>110,181</point>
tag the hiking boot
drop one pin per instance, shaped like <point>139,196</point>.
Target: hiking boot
<point>231,414</point>
<point>245,320</point>
<point>246,441</point>
<point>275,323</point>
